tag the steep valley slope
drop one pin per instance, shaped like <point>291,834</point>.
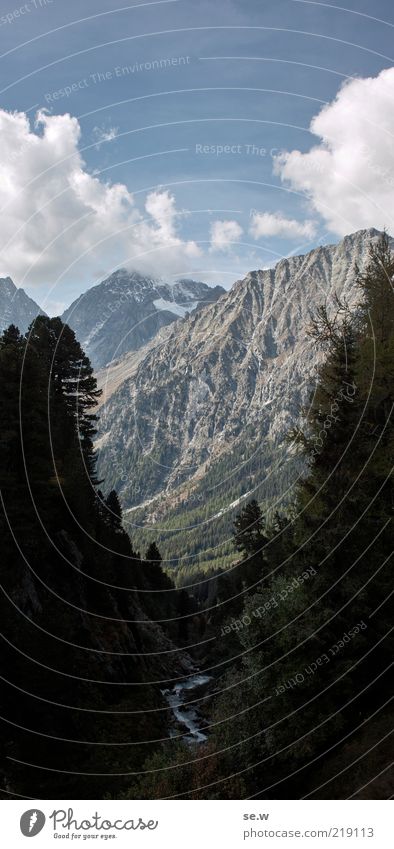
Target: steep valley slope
<point>196,422</point>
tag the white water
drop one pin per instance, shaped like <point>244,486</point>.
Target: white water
<point>187,716</point>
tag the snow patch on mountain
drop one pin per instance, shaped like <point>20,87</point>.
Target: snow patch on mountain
<point>171,306</point>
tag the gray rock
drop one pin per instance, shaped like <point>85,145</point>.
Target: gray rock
<point>16,307</point>
<point>232,375</point>
<point>127,310</point>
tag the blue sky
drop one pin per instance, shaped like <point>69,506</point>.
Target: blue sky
<point>200,114</point>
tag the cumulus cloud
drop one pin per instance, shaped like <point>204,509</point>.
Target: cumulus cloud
<point>162,209</point>
<point>56,215</point>
<point>102,135</point>
<point>349,175</point>
<point>273,224</point>
<point>224,234</point>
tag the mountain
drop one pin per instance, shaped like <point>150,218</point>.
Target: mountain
<point>200,419</point>
<point>127,310</point>
<point>16,307</point>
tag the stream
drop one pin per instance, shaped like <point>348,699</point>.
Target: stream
<point>187,716</point>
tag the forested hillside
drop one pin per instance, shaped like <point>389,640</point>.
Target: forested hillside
<point>79,653</point>
<point>301,629</point>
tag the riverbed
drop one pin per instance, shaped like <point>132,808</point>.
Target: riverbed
<point>186,716</point>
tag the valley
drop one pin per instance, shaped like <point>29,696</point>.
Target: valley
<point>196,422</point>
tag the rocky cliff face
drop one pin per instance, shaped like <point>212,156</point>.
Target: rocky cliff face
<point>206,408</point>
<point>127,310</point>
<point>16,307</point>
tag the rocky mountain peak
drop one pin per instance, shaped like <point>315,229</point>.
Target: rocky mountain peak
<point>16,307</point>
<point>7,285</point>
<point>127,309</point>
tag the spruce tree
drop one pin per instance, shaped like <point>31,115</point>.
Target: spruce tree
<point>304,681</point>
<point>114,510</point>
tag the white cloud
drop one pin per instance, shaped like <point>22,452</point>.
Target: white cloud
<point>349,175</point>
<point>101,135</point>
<point>162,209</point>
<point>224,234</point>
<point>55,214</point>
<point>273,224</point>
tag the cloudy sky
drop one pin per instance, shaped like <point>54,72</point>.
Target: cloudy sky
<point>188,137</point>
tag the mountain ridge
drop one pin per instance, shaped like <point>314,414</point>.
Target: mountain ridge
<point>127,309</point>
<point>16,307</point>
<point>206,409</point>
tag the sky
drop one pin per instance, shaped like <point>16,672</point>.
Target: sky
<point>188,138</point>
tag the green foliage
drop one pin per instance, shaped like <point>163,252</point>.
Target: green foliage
<point>313,641</point>
<point>72,666</point>
<point>249,530</point>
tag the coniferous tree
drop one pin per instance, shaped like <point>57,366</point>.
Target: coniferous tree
<point>114,509</point>
<point>153,554</point>
<point>68,607</point>
<point>316,646</point>
<point>249,529</point>
<point>250,538</point>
